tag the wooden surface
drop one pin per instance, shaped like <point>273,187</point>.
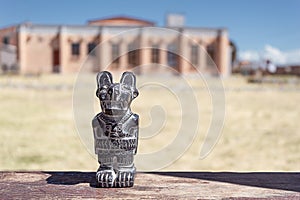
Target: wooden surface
<point>159,185</point>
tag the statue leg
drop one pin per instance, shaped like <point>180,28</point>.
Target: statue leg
<point>126,170</point>
<point>105,174</point>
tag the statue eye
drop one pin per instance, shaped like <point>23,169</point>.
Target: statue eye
<point>109,91</point>
<point>102,96</point>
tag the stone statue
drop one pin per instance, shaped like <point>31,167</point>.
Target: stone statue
<point>116,130</point>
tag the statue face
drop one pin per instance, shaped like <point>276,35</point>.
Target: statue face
<point>115,98</point>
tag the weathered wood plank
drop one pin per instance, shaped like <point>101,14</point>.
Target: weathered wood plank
<point>160,185</point>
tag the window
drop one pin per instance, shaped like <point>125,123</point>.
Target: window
<point>133,55</point>
<point>155,54</point>
<point>91,47</point>
<point>133,58</point>
<point>194,54</point>
<point>210,56</point>
<point>115,53</point>
<point>5,40</point>
<point>172,56</point>
<point>75,49</point>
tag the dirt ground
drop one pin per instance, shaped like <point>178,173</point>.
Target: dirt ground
<point>261,131</point>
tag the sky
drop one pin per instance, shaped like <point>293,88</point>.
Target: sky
<point>260,28</point>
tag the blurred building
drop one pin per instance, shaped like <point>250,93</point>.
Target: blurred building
<point>288,70</point>
<point>42,48</point>
<point>8,49</point>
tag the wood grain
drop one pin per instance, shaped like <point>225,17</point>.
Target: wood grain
<point>157,185</point>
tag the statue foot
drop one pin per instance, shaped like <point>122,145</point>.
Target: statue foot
<point>105,178</point>
<point>124,179</point>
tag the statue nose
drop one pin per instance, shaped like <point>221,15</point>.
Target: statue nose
<point>113,92</point>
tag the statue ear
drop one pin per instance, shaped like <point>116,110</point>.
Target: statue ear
<point>128,78</point>
<point>104,78</point>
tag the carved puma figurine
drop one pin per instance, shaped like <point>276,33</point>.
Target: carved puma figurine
<point>116,130</point>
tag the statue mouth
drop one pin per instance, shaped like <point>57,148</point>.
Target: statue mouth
<point>114,107</point>
<point>115,104</point>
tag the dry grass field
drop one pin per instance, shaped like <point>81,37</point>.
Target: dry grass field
<point>261,130</point>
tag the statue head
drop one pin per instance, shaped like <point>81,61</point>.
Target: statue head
<point>115,98</point>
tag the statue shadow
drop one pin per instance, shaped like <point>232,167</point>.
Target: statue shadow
<point>272,180</point>
<point>288,181</point>
<point>71,178</point>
